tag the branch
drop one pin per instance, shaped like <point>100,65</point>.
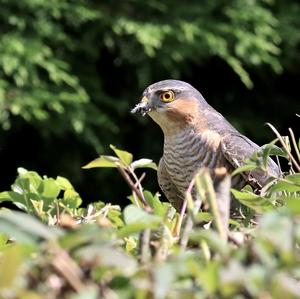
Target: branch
<point>133,187</point>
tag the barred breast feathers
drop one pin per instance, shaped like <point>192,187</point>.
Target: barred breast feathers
<point>187,151</point>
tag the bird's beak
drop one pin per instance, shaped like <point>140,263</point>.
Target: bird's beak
<point>143,107</point>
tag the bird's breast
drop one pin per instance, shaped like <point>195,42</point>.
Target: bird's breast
<point>187,151</point>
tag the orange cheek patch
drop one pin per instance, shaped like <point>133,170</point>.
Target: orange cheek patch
<point>182,111</point>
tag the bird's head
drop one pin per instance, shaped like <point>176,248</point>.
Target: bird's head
<point>172,104</point>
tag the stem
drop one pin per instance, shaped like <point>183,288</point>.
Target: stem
<point>132,186</point>
<point>294,143</point>
<point>137,182</point>
<point>212,199</point>
<point>145,245</point>
<point>284,146</point>
<point>189,223</point>
<point>57,212</point>
<point>67,268</point>
<point>183,209</point>
<point>190,217</point>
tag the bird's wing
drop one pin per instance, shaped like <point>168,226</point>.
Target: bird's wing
<point>168,187</point>
<point>236,148</point>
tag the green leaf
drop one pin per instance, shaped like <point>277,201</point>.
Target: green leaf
<point>6,196</point>
<point>124,156</point>
<point>143,163</point>
<point>212,238</point>
<point>253,201</point>
<point>11,260</point>
<point>3,241</point>
<point>14,224</point>
<point>102,161</point>
<point>64,183</point>
<point>164,276</point>
<point>285,185</point>
<point>18,199</point>
<point>276,229</point>
<point>136,220</point>
<point>134,214</point>
<point>295,178</point>
<point>71,199</point>
<point>244,168</point>
<point>204,216</point>
<point>155,203</point>
<point>209,277</point>
<point>108,257</point>
<point>133,228</point>
<point>27,181</point>
<point>292,203</point>
<point>49,188</point>
<point>272,150</point>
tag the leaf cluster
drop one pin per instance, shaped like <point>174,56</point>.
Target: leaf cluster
<point>58,249</point>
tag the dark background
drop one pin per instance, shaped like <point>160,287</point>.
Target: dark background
<point>70,71</point>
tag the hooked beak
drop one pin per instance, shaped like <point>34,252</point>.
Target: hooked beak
<point>143,107</point>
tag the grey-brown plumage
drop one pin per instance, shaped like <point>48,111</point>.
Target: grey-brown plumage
<point>195,136</point>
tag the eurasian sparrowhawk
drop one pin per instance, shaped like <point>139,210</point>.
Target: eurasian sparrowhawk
<point>195,136</point>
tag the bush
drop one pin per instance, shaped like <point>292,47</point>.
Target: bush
<point>57,249</point>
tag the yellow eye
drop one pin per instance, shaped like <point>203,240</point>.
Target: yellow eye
<point>167,96</point>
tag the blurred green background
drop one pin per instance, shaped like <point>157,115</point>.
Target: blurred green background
<point>70,70</point>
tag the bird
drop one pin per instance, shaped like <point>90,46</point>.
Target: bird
<point>196,136</point>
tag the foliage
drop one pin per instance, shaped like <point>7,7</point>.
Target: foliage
<point>70,70</point>
<point>58,249</point>
<point>50,52</point>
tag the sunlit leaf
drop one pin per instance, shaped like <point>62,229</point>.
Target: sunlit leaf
<point>143,163</point>
<point>124,156</point>
<point>71,199</point>
<point>253,201</point>
<point>49,188</point>
<point>102,161</point>
<point>63,183</point>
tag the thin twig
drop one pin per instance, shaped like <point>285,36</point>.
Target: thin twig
<point>132,186</point>
<point>67,268</point>
<point>189,223</point>
<point>183,209</point>
<point>294,143</point>
<point>212,199</point>
<point>284,146</point>
<point>145,245</point>
<point>279,166</point>
<point>190,215</point>
<point>137,182</point>
<point>57,212</point>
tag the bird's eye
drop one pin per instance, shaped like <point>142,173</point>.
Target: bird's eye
<point>167,96</point>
